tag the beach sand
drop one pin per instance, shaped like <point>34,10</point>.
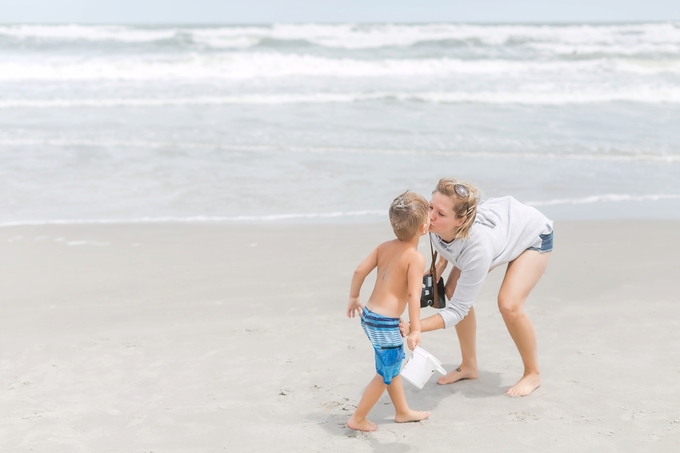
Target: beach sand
<point>212,338</point>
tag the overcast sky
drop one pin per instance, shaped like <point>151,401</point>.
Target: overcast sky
<point>267,11</point>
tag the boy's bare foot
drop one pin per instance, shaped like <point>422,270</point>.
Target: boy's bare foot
<point>525,386</point>
<point>459,374</point>
<point>363,425</point>
<point>411,416</point>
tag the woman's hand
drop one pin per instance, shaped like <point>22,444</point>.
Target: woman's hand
<point>404,328</point>
<point>354,307</point>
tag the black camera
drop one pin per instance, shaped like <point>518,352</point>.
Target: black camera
<point>431,296</point>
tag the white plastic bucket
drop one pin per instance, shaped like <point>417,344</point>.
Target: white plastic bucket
<point>420,367</point>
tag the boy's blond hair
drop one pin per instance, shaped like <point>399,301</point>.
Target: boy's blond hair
<point>408,212</point>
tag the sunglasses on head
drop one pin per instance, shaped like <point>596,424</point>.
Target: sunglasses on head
<point>461,190</point>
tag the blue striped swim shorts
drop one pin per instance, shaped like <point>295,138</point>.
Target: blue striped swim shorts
<point>387,343</point>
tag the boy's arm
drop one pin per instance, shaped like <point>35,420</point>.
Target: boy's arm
<point>365,268</point>
<point>415,287</point>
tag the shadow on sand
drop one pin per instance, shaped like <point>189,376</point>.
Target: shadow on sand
<point>333,417</point>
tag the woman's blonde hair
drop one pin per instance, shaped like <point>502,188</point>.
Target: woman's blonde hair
<point>463,206</point>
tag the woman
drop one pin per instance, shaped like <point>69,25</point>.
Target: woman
<point>477,237</point>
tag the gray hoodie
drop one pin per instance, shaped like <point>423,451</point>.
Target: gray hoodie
<point>502,230</point>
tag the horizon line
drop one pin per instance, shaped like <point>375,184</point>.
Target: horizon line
<point>358,22</point>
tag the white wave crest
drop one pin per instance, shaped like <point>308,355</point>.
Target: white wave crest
<point>631,156</point>
<point>200,219</point>
<point>608,198</point>
<point>263,65</point>
<point>639,95</point>
<point>78,32</point>
<point>614,37</point>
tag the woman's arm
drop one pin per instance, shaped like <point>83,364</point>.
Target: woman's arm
<point>464,285</point>
<point>440,267</point>
<point>434,322</point>
<point>451,282</point>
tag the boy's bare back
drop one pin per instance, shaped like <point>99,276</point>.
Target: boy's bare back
<point>399,265</point>
<point>399,280</point>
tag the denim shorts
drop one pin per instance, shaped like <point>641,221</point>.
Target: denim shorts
<point>546,243</point>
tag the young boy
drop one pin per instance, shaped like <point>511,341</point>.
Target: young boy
<point>399,281</point>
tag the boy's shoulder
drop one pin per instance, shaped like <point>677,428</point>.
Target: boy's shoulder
<point>389,243</point>
<point>415,257</point>
<point>393,244</point>
<point>401,250</point>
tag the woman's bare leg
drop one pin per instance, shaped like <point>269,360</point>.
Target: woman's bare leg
<point>520,278</point>
<point>467,338</point>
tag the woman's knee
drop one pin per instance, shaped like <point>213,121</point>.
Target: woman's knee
<point>510,307</point>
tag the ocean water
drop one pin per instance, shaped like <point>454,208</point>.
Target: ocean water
<point>308,123</point>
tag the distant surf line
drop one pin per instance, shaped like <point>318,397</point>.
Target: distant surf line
<point>351,35</point>
<point>604,198</point>
<point>669,95</point>
<point>197,219</point>
<point>649,157</point>
<point>612,198</point>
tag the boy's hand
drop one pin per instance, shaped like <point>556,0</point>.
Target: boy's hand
<point>413,340</point>
<point>354,307</point>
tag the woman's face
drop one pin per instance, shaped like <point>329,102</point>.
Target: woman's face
<point>443,220</point>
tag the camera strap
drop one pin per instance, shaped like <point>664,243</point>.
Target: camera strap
<point>433,269</point>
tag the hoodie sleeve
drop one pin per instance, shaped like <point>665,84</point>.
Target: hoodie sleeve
<point>475,263</point>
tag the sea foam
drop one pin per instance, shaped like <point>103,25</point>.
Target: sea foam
<point>607,155</point>
<point>612,38</point>
<point>604,198</point>
<point>639,95</point>
<point>201,219</point>
<point>263,65</point>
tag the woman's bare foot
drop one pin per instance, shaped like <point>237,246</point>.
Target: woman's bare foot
<point>459,374</point>
<point>411,416</point>
<point>363,425</point>
<point>525,386</point>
